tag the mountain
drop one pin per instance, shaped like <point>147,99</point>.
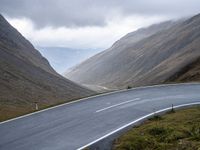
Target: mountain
<point>26,76</point>
<point>144,57</point>
<point>189,73</point>
<point>62,58</point>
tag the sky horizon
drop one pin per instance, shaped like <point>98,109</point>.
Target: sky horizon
<point>88,24</point>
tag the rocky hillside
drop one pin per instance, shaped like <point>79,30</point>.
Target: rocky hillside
<point>152,58</point>
<point>26,76</point>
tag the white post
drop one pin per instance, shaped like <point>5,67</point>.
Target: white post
<point>36,106</point>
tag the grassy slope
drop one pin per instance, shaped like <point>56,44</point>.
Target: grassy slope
<point>26,77</point>
<point>11,111</point>
<point>173,131</point>
<point>190,73</point>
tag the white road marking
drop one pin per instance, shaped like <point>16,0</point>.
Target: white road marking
<point>136,99</point>
<point>135,121</point>
<point>88,98</point>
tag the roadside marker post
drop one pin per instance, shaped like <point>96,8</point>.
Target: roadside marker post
<point>36,106</point>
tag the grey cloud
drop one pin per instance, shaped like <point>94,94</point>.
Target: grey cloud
<point>92,12</point>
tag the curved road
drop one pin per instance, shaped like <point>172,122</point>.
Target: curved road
<point>74,125</point>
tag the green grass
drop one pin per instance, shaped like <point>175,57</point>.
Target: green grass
<point>177,130</point>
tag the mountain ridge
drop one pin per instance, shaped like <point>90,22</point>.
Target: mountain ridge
<point>151,60</point>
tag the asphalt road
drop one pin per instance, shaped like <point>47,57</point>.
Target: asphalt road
<point>74,125</point>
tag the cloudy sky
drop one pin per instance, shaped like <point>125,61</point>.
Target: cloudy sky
<point>89,23</point>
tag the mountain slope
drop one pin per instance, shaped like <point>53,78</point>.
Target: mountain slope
<point>189,73</point>
<point>26,77</point>
<point>150,60</point>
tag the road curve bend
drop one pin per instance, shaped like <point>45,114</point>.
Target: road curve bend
<point>79,124</point>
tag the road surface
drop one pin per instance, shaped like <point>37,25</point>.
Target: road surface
<point>72,126</point>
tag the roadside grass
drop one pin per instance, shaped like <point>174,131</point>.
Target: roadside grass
<point>177,130</point>
<point>12,111</point>
<point>7,112</point>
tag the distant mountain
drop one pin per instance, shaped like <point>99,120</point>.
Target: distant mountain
<point>153,55</point>
<point>26,76</point>
<point>62,58</point>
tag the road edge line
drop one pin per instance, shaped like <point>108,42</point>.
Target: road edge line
<point>135,121</point>
<point>90,97</point>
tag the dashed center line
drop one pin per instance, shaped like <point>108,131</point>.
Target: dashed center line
<point>100,110</point>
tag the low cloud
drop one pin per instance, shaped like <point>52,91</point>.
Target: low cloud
<point>89,23</point>
<point>82,37</point>
<point>81,13</point>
